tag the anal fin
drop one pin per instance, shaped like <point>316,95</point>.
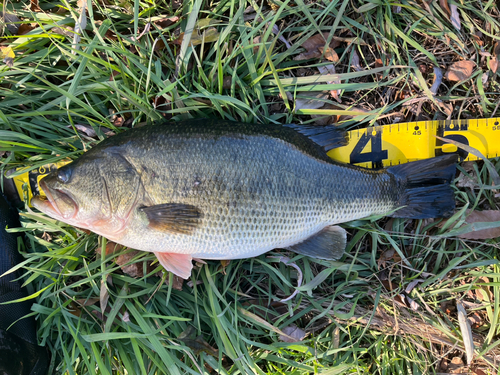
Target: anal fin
<point>179,264</point>
<point>329,243</point>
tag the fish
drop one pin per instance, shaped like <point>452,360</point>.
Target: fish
<point>215,189</point>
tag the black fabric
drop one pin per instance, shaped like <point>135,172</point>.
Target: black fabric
<point>19,352</point>
<point>19,357</point>
<point>10,288</point>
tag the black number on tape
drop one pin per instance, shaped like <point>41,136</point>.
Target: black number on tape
<point>376,155</point>
<point>33,176</point>
<point>454,137</point>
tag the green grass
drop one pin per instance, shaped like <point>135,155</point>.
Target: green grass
<point>354,320</point>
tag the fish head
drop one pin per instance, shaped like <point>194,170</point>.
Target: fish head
<point>74,194</point>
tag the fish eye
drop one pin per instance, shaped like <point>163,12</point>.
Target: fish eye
<point>63,175</point>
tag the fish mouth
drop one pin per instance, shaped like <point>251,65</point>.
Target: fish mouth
<point>57,203</point>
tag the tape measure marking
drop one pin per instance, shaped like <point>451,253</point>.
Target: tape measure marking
<point>383,146</point>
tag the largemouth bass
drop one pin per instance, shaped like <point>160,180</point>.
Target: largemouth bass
<point>214,189</point>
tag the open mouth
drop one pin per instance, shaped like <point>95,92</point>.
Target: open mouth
<point>57,204</point>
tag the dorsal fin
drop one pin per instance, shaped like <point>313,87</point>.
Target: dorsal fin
<point>328,137</point>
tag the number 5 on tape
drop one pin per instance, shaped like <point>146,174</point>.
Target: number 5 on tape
<point>387,145</point>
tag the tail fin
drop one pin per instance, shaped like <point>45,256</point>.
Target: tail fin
<point>425,186</point>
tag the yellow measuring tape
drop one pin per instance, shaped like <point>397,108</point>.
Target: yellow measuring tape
<point>375,147</point>
<point>382,146</point>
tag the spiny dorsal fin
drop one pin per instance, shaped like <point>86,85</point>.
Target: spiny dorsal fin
<point>328,137</point>
<point>329,243</point>
<point>173,217</point>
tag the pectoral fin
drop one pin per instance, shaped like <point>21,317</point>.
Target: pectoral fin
<point>329,243</point>
<point>173,217</point>
<point>179,264</point>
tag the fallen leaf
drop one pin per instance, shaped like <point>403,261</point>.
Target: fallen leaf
<point>476,320</point>
<point>126,317</point>
<point>7,55</point>
<point>466,331</point>
<point>488,216</point>
<point>330,69</point>
<point>386,256</point>
<point>455,17</point>
<point>313,45</point>
<point>11,22</point>
<point>496,49</point>
<point>493,64</point>
<point>484,53</point>
<point>103,296</point>
<point>198,344</point>
<point>256,43</point>
<point>276,31</point>
<point>484,78</point>
<point>208,35</point>
<point>166,22</point>
<point>329,54</point>
<point>146,30</point>
<point>460,70</point>
<point>438,78</point>
<point>463,179</point>
<point>310,100</point>
<point>412,285</point>
<point>80,25</point>
<point>25,28</point>
<point>445,7</point>
<point>88,301</point>
<point>355,62</point>
<point>294,334</point>
<point>67,31</point>
<point>457,366</point>
<point>34,7</point>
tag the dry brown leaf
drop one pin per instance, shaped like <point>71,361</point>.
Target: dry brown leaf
<point>330,69</point>
<point>457,366</point>
<point>460,70</point>
<point>493,64</point>
<point>67,31</point>
<point>24,29</point>
<point>310,100</point>
<point>34,7</point>
<point>313,45</point>
<point>197,344</point>
<point>355,62</point>
<point>476,320</point>
<point>256,42</point>
<point>487,216</point>
<point>103,296</point>
<point>293,332</point>
<point>329,54</point>
<point>445,7</point>
<point>496,49</point>
<point>88,301</point>
<point>166,22</point>
<point>478,371</point>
